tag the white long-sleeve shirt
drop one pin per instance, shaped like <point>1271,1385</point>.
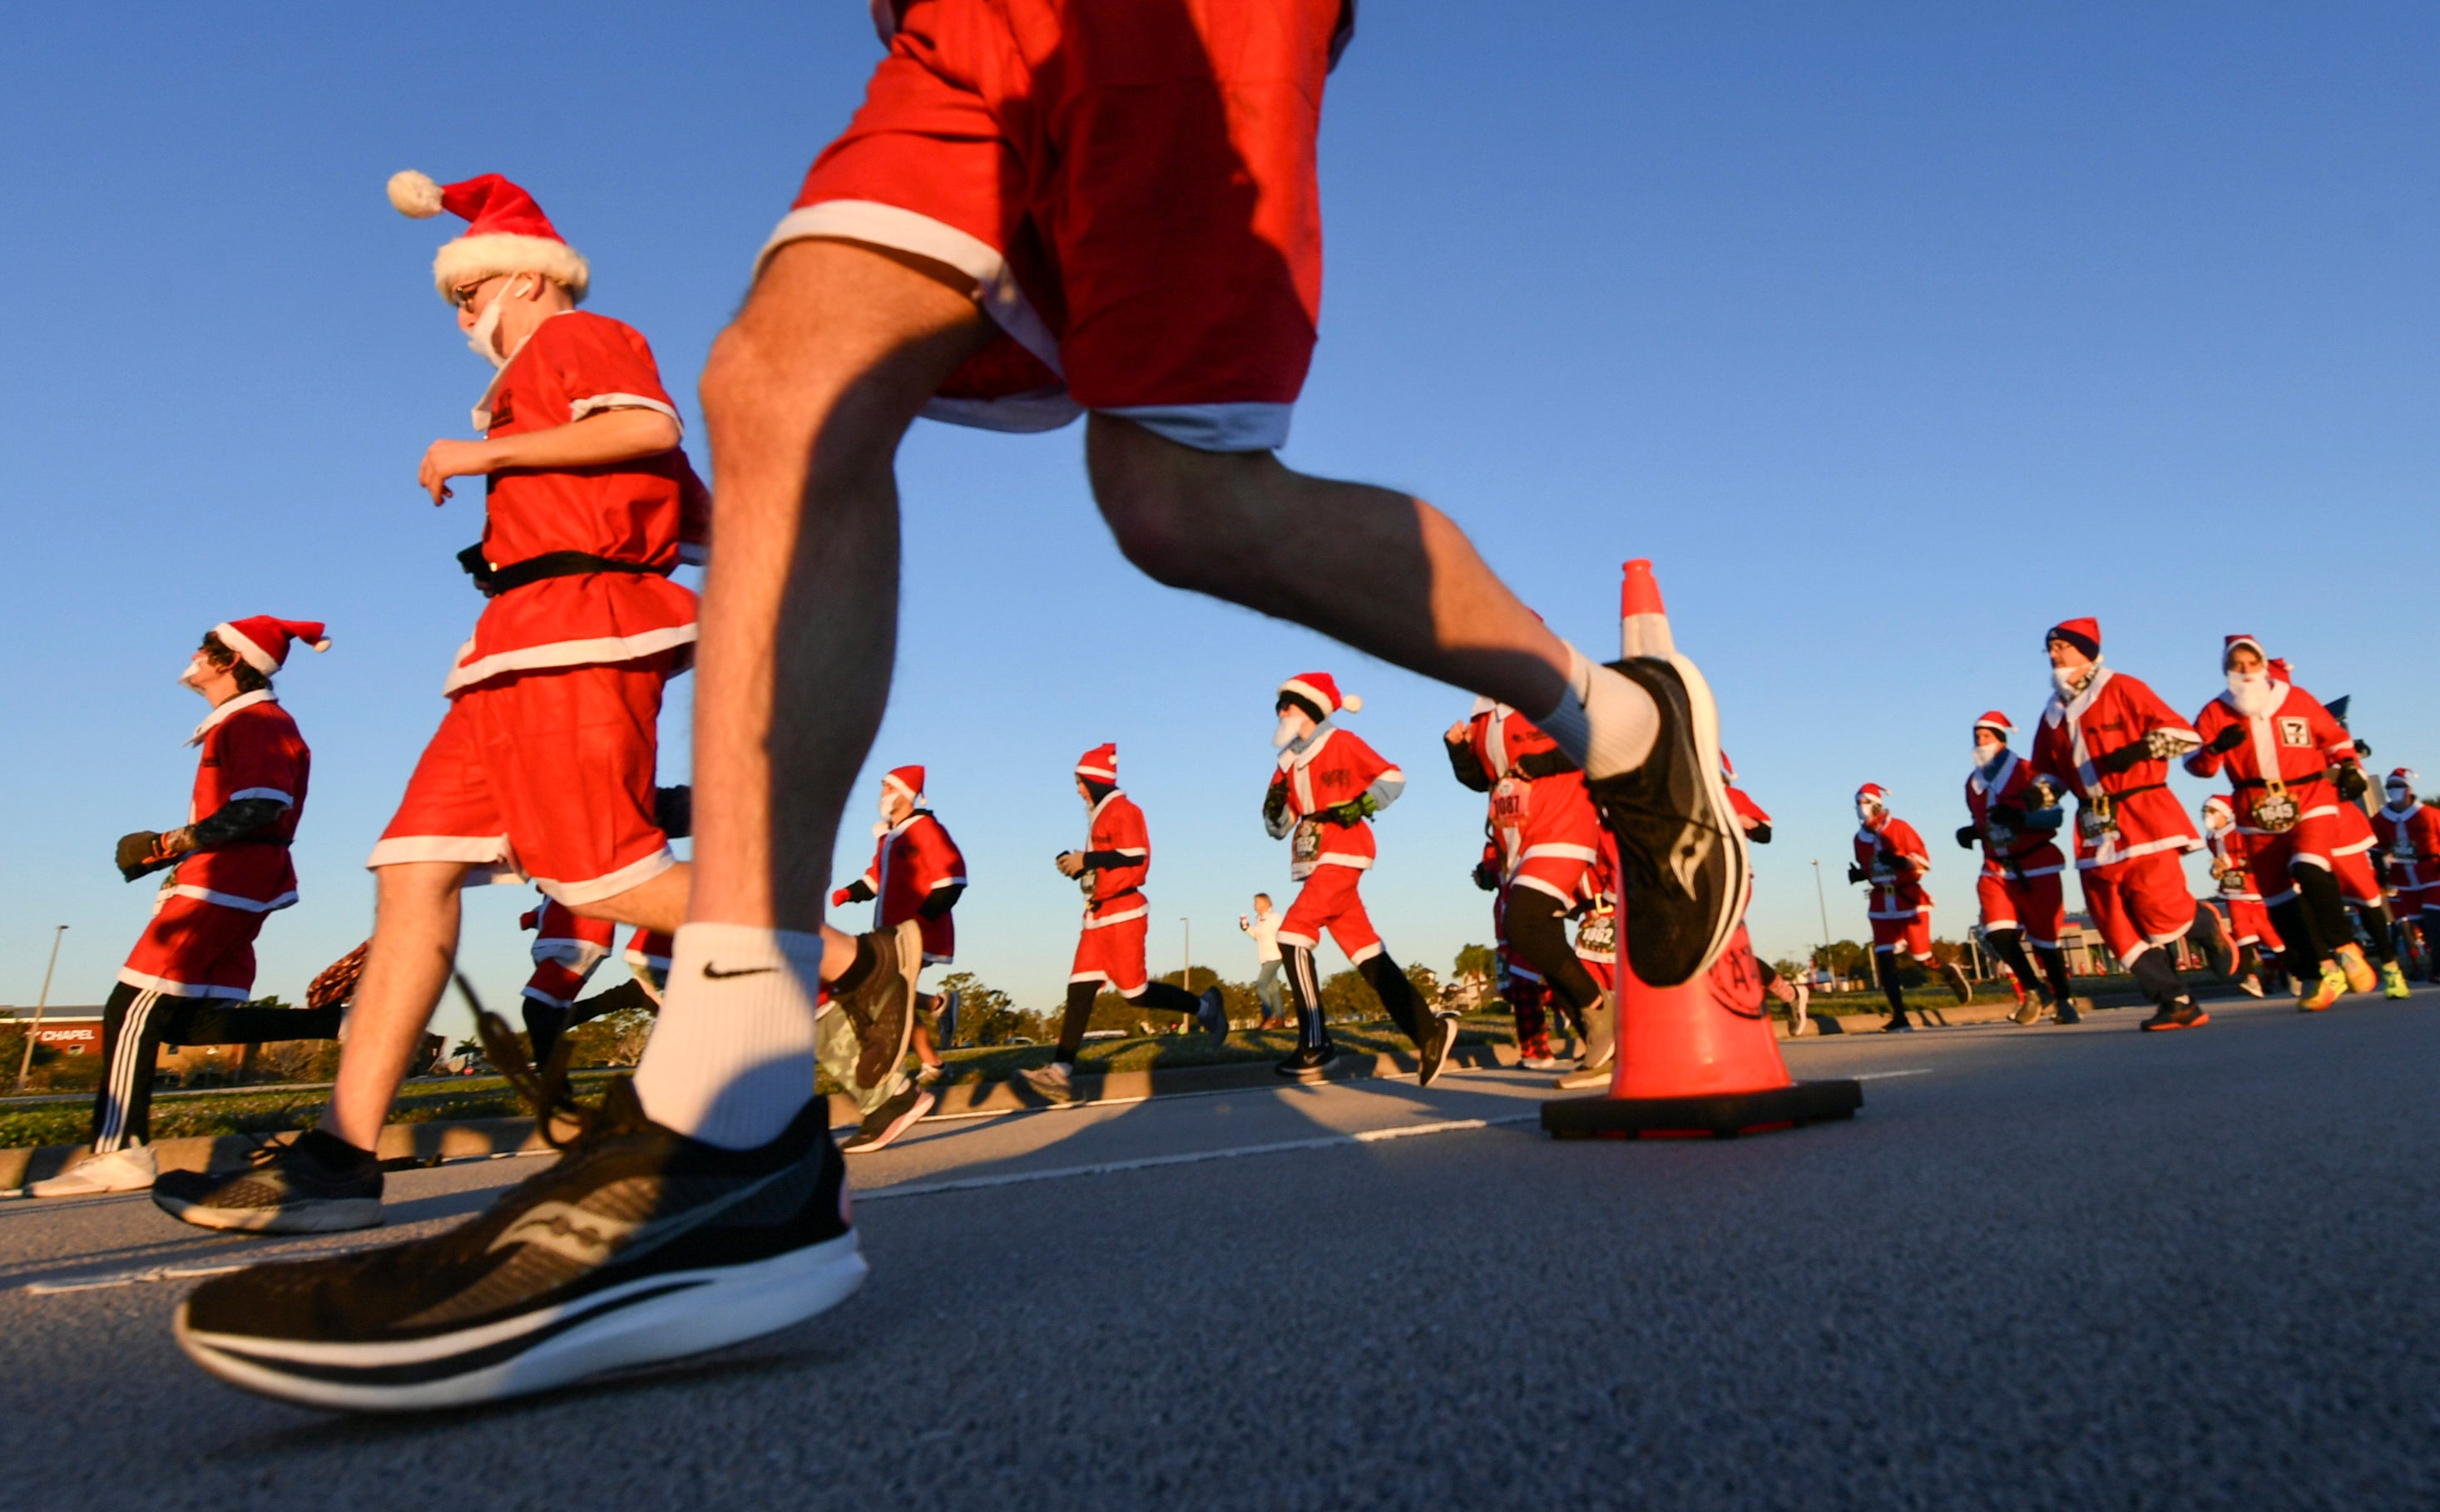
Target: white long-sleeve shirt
<point>1264,928</point>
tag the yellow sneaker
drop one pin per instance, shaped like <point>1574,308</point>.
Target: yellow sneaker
<point>2332,986</point>
<point>2393,980</point>
<point>2360,976</point>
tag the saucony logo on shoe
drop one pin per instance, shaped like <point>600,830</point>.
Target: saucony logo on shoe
<point>583,1234</point>
<point>716,974</point>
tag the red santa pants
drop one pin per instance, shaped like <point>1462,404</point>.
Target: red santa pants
<point>2358,880</point>
<point>192,949</point>
<point>1132,188</point>
<point>2249,923</point>
<point>545,775</point>
<point>2273,857</point>
<point>2037,906</point>
<point>1112,952</point>
<point>1329,901</point>
<point>1912,933</point>
<point>2139,903</point>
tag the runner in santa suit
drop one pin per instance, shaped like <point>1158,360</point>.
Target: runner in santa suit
<point>2408,830</point>
<point>916,873</point>
<point>1892,857</point>
<point>1040,209</point>
<point>2358,875</point>
<point>1548,839</point>
<point>1518,984</point>
<point>1321,798</point>
<point>2107,737</point>
<point>193,970</point>
<point>2250,930</point>
<point>1110,950</point>
<point>2281,747</point>
<point>1794,996</point>
<point>566,950</point>
<point>2020,890</point>
<point>542,767</point>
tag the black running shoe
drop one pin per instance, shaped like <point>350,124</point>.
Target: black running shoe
<point>640,1245</point>
<point>1897,1024</point>
<point>882,1008</point>
<point>315,1183</point>
<point>1307,1064</point>
<point>890,1120</point>
<point>1682,851</point>
<point>2181,1014</point>
<point>1213,1014</point>
<point>1439,1038</point>
<point>2067,1013</point>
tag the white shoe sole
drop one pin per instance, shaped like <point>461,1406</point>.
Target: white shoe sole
<point>681,1313</point>
<point>898,1126</point>
<point>1706,712</point>
<point>1428,1071</point>
<point>336,1216</point>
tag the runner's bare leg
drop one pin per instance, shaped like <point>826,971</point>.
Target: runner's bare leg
<point>414,940</point>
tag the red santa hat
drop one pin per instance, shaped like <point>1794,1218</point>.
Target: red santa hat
<point>2403,777</point>
<point>1996,723</point>
<point>1874,792</point>
<point>1100,764</point>
<point>507,232</point>
<point>2218,802</point>
<point>908,780</point>
<point>2084,634</point>
<point>2228,647</point>
<point>261,642</point>
<point>1321,692</point>
<point>1727,769</point>
<point>2277,667</point>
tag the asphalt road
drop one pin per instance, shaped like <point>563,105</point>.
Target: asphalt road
<point>2078,1268</point>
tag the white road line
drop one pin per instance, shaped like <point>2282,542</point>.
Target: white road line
<point>1884,1076</point>
<point>1369,1136</point>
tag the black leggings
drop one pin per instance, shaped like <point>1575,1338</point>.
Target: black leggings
<point>1158,996</point>
<point>1538,930</point>
<point>2009,945</point>
<point>137,1021</point>
<point>1380,973</point>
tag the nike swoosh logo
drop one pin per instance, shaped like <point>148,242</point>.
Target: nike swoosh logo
<point>717,974</point>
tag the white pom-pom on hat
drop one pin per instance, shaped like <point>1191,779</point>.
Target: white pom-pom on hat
<point>1352,702</point>
<point>414,194</point>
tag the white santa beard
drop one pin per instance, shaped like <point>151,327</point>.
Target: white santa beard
<point>2254,695</point>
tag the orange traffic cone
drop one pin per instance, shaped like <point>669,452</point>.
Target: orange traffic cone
<point>1698,1059</point>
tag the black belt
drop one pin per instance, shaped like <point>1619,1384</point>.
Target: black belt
<point>2130,793</point>
<point>495,581</point>
<point>2285,782</point>
<point>1135,893</point>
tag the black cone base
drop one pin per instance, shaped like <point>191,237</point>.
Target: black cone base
<point>1720,1117</point>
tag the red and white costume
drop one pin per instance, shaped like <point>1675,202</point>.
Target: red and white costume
<point>1894,860</point>
<point>1111,947</point>
<point>1131,187</point>
<point>1329,857</point>
<point>2286,803</point>
<point>549,778</point>
<point>2249,922</point>
<point>568,949</point>
<point>2351,856</point>
<point>1546,831</point>
<point>211,905</point>
<point>2410,834</point>
<point>2130,830</point>
<point>2020,886</point>
<point>912,859</point>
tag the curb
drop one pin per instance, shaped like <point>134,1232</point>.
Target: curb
<point>429,1144</point>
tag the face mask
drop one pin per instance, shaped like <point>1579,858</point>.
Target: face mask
<point>2400,794</point>
<point>1869,813</point>
<point>2249,692</point>
<point>196,672</point>
<point>1295,724</point>
<point>2214,820</point>
<point>487,325</point>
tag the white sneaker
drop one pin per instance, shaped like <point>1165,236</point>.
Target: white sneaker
<point>131,1169</point>
<point>1798,1015</point>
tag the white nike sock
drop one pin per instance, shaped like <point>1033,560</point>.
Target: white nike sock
<point>731,1062</point>
<point>1605,723</point>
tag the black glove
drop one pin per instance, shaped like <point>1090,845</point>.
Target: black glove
<point>1486,876</point>
<point>2350,779</point>
<point>2125,758</point>
<point>2009,813</point>
<point>1275,801</point>
<point>674,812</point>
<point>2227,740</point>
<point>141,852</point>
<point>1758,835</point>
<point>1965,837</point>
<point>1856,873</point>
<point>938,902</point>
<point>858,891</point>
<point>1536,764</point>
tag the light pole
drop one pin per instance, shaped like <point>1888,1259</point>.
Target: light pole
<point>1823,900</point>
<point>1186,968</point>
<point>25,1061</point>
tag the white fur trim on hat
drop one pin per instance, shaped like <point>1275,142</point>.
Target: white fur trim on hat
<point>253,655</point>
<point>469,259</point>
<point>414,195</point>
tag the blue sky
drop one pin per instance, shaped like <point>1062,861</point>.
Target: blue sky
<point>1891,334</point>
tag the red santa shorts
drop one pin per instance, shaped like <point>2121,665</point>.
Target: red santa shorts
<point>2274,856</point>
<point>192,949</point>
<point>1130,186</point>
<point>1563,871</point>
<point>1913,933</point>
<point>1112,954</point>
<point>544,777</point>
<point>2249,923</point>
<point>2358,880</point>
<point>2139,903</point>
<point>1329,901</point>
<point>2037,906</point>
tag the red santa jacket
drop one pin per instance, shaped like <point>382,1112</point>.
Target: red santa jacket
<point>251,749</point>
<point>1118,827</point>
<point>640,511</point>
<point>2356,833</point>
<point>2231,854</point>
<point>911,861</point>
<point>2128,813</point>
<point>2411,836</point>
<point>1894,857</point>
<point>1333,768</point>
<point>2008,852</point>
<point>2286,755</point>
<point>1531,816</point>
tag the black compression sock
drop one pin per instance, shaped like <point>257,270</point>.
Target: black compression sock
<point>2054,967</point>
<point>1887,962</point>
<point>1071,1027</point>
<point>1163,998</point>
<point>2328,910</point>
<point>866,958</point>
<point>1397,994</point>
<point>2301,949</point>
<point>2376,927</point>
<point>1537,927</point>
<point>333,1153</point>
<point>2154,974</point>
<point>2009,946</point>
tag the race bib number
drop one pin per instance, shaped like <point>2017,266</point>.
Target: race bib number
<point>2232,882</point>
<point>2275,812</point>
<point>1598,935</point>
<point>2296,732</point>
<point>1512,803</point>
<point>2096,818</point>
<point>1306,843</point>
<point>2000,835</point>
